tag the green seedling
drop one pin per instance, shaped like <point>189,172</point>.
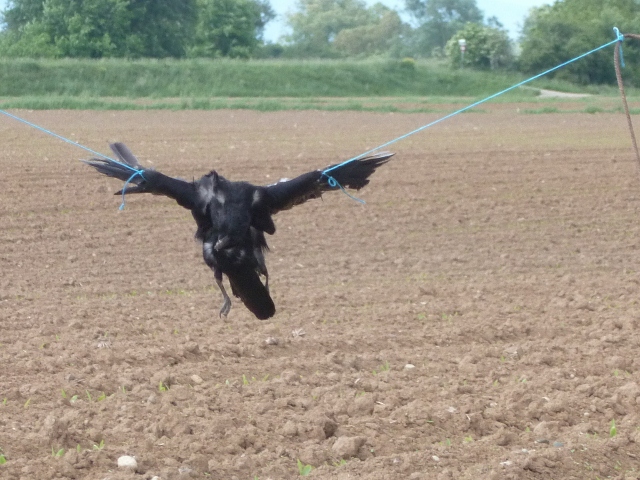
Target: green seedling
<point>162,387</point>
<point>78,448</point>
<point>3,459</point>
<point>63,393</point>
<point>382,368</point>
<point>468,439</point>
<point>27,403</point>
<point>74,399</point>
<point>303,469</point>
<point>244,380</point>
<point>4,402</point>
<point>99,446</point>
<point>57,454</point>
<point>341,463</point>
<point>88,396</point>
<point>613,431</point>
<point>102,396</point>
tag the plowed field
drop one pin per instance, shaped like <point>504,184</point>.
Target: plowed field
<point>476,319</point>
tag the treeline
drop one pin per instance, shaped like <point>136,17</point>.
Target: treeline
<point>133,28</point>
<point>332,29</point>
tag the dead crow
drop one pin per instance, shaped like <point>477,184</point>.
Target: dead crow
<point>232,217</point>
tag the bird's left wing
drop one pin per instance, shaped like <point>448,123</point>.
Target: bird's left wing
<point>355,174</point>
<point>144,180</point>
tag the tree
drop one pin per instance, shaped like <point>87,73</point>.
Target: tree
<point>486,47</point>
<point>160,28</point>
<point>230,28</point>
<point>133,28</point>
<point>556,33</point>
<point>438,20</point>
<point>61,27</point>
<point>373,38</point>
<point>333,28</point>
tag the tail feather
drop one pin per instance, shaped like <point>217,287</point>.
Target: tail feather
<point>246,285</point>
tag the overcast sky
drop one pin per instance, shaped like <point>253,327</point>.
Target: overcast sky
<point>511,13</point>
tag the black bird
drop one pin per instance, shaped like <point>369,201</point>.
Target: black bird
<point>232,217</point>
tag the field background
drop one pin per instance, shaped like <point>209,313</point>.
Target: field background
<point>497,254</point>
<point>377,85</point>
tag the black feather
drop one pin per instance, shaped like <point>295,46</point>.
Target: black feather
<point>246,285</point>
<point>233,217</point>
<point>289,193</point>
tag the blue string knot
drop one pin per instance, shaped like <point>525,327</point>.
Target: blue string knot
<point>619,36</point>
<point>333,183</point>
<point>620,39</point>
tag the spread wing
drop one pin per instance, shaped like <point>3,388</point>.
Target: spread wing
<point>141,180</point>
<point>288,193</point>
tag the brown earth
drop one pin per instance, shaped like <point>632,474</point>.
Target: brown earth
<point>496,254</point>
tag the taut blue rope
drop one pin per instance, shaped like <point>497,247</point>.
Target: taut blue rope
<point>64,139</point>
<point>49,132</point>
<point>331,180</point>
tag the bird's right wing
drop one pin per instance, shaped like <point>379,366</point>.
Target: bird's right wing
<point>141,180</point>
<point>355,174</point>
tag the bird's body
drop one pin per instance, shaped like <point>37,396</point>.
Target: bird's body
<point>233,217</point>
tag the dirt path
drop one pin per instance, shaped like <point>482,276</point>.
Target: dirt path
<point>555,94</point>
<point>497,255</point>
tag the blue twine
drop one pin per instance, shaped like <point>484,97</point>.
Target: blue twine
<point>49,132</point>
<point>330,180</point>
<point>124,189</point>
<point>333,183</point>
<point>64,139</point>
<point>619,38</point>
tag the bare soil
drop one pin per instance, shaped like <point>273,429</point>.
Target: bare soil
<point>497,255</point>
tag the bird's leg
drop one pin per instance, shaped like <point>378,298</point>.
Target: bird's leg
<point>222,243</point>
<point>226,304</point>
